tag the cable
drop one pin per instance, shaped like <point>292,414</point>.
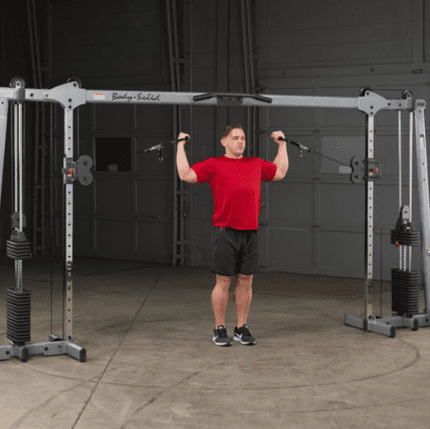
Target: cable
<point>301,147</point>
<point>160,146</point>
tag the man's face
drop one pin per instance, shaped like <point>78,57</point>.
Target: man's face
<point>234,143</point>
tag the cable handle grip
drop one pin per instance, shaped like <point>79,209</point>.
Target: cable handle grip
<point>183,137</point>
<point>301,147</point>
<point>295,144</point>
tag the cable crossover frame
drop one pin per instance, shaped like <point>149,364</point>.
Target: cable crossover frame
<point>405,283</point>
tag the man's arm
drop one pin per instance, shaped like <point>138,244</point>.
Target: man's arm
<point>181,161</point>
<point>281,160</point>
<point>185,172</point>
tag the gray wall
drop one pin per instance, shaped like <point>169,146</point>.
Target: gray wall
<point>333,49</point>
<point>117,45</point>
<point>313,220</point>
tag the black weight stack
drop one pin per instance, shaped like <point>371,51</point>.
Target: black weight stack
<point>19,316</point>
<point>405,291</point>
<point>18,247</point>
<point>405,285</point>
<point>18,302</point>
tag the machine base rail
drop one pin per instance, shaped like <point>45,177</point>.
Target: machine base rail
<point>387,325</point>
<point>54,347</point>
<point>58,346</point>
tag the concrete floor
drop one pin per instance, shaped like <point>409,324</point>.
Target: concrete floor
<point>151,361</point>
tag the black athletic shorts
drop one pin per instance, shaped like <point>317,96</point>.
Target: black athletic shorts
<point>234,251</point>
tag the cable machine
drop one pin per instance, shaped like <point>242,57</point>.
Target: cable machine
<point>405,282</point>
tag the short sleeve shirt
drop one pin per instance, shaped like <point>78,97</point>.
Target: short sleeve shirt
<point>236,188</point>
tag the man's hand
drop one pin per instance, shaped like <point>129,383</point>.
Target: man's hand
<point>277,134</point>
<point>183,135</point>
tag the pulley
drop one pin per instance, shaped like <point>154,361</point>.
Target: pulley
<point>364,169</point>
<point>81,170</point>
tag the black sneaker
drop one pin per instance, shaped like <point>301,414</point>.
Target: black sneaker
<point>220,337</point>
<point>243,335</point>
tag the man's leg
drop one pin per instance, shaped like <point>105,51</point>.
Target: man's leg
<point>242,298</point>
<point>220,299</point>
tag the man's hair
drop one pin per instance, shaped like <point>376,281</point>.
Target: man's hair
<point>226,130</point>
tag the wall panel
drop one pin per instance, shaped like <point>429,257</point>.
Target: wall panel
<point>311,221</point>
<point>311,33</point>
<point>113,237</point>
<point>114,196</point>
<point>117,45</point>
<point>334,48</point>
<point>112,117</point>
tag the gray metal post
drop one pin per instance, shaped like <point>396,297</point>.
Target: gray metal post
<point>423,194</point>
<point>4,107</point>
<point>368,247</point>
<point>68,226</point>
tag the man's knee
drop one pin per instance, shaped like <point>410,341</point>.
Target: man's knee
<point>223,281</point>
<point>245,277</point>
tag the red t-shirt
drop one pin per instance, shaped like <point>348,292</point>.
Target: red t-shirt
<point>236,188</point>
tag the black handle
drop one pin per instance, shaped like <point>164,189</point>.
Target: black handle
<point>179,140</point>
<point>230,95</point>
<point>294,143</point>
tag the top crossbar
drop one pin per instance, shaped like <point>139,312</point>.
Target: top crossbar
<point>71,96</point>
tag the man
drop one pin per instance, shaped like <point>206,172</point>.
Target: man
<point>236,187</point>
